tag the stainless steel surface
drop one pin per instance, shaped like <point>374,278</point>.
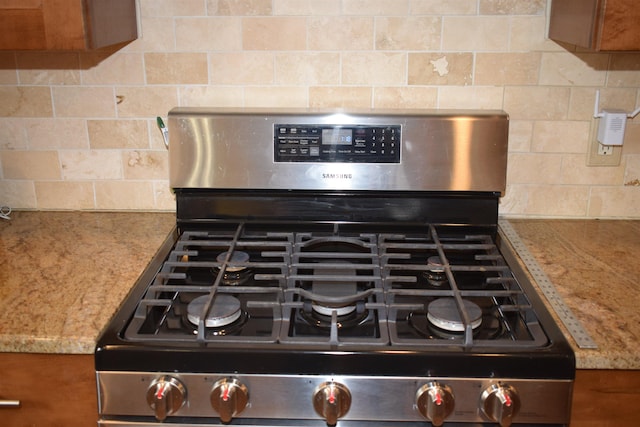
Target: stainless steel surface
<point>569,320</point>
<point>574,21</point>
<point>440,151</point>
<point>271,396</point>
<point>165,396</point>
<point>332,401</point>
<point>229,398</point>
<point>8,403</point>
<point>435,402</point>
<point>501,403</point>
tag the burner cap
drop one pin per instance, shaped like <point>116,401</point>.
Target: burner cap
<point>327,310</point>
<point>236,257</point>
<point>436,263</point>
<point>443,313</point>
<point>225,310</point>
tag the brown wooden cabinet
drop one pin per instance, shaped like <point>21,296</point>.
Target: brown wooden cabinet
<point>54,390</point>
<point>66,24</point>
<point>609,25</point>
<point>606,398</point>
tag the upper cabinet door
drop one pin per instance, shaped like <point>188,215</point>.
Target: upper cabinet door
<point>610,25</point>
<point>66,24</point>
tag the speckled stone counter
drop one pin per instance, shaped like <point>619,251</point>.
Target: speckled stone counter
<point>64,274</point>
<point>595,268</point>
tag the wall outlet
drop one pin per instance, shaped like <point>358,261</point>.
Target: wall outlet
<point>601,155</point>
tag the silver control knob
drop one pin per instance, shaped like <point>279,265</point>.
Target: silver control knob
<point>165,396</point>
<point>435,402</point>
<point>331,400</point>
<point>500,403</point>
<point>229,397</point>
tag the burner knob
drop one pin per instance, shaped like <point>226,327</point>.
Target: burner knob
<point>229,397</point>
<point>331,401</point>
<point>500,403</point>
<point>435,402</point>
<point>165,396</point>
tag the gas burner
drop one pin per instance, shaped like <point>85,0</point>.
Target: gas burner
<point>235,275</point>
<point>435,275</point>
<point>226,309</point>
<point>444,314</point>
<point>355,315</point>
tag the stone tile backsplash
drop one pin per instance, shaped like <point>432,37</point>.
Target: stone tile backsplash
<point>78,131</point>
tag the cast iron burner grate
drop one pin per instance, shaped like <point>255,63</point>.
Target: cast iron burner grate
<point>328,285</point>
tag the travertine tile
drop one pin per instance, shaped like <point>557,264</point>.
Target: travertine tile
<point>442,68</point>
<point>408,33</point>
<point>164,198</point>
<point>307,7</point>
<point>485,33</point>
<point>99,68</point>
<point>443,7</point>
<point>537,103</point>
<point>512,7</point>
<point>51,133</point>
<point>514,201</point>
<point>507,68</point>
<point>80,165</point>
<point>528,33</point>
<point>211,96</point>
<point>576,171</point>
<point>340,33</point>
<point>276,97</point>
<point>560,136</point>
<point>145,165</point>
<point>172,7</point>
<point>632,170</point>
<point>84,101</point>
<point>274,33</point>
<point>176,68</point>
<point>534,168</point>
<point>557,200</point>
<point>520,134</point>
<point>242,68</point>
<point>64,195</point>
<point>13,134</point>
<point>474,97</point>
<point>304,68</point>
<point>625,70</point>
<point>17,193</point>
<point>157,35</point>
<point>118,134</point>
<point>616,202</point>
<point>128,195</point>
<point>375,7</point>
<point>145,101</point>
<point>564,69</point>
<point>48,68</point>
<point>375,68</point>
<point>36,165</point>
<point>208,34</point>
<point>340,97</point>
<point>405,97</point>
<point>25,101</point>
<point>239,7</point>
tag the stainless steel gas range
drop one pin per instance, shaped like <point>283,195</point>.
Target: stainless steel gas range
<point>335,268</point>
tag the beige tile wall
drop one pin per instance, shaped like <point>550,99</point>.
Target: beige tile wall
<point>77,131</point>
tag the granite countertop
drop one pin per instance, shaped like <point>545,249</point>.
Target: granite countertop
<point>64,274</point>
<point>594,267</point>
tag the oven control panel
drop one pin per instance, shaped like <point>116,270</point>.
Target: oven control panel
<point>336,143</point>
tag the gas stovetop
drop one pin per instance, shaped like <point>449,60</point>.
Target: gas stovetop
<point>335,268</point>
<point>334,285</point>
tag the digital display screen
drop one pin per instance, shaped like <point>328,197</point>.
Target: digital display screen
<point>337,136</point>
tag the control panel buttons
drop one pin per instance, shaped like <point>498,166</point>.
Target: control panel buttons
<point>229,397</point>
<point>165,396</point>
<point>500,403</point>
<point>435,402</point>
